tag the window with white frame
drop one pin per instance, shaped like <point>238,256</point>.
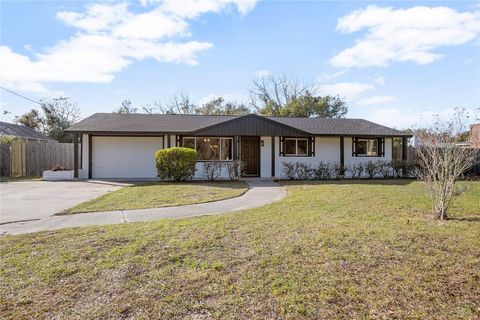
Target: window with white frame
<point>296,147</point>
<point>210,148</point>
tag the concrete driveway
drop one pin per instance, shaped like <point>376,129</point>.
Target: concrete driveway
<point>260,193</point>
<point>33,200</point>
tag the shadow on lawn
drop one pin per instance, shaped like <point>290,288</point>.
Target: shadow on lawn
<point>465,219</point>
<point>385,182</point>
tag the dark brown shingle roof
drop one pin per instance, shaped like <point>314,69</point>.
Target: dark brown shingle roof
<point>339,126</point>
<point>153,123</point>
<point>164,123</point>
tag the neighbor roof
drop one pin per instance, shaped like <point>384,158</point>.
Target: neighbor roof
<point>16,130</point>
<point>184,124</point>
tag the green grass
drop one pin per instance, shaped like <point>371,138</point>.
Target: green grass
<point>160,194</point>
<point>339,250</point>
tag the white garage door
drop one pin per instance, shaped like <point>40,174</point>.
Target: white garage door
<point>124,157</point>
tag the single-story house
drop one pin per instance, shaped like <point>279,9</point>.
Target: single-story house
<point>123,145</point>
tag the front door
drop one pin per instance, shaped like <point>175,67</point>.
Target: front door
<point>250,154</point>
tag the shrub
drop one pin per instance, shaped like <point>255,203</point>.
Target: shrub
<point>397,166</point>
<point>356,170</point>
<point>304,171</point>
<point>371,169</point>
<point>176,164</point>
<point>411,169</point>
<point>235,169</point>
<point>384,168</point>
<point>212,169</point>
<point>6,139</point>
<point>58,167</point>
<point>290,169</point>
<point>322,171</point>
<point>338,170</point>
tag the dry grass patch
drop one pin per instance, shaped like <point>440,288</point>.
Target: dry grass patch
<point>348,250</point>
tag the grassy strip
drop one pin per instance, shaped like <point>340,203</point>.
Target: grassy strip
<point>162,194</point>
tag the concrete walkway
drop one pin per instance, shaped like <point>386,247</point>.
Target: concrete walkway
<point>260,192</point>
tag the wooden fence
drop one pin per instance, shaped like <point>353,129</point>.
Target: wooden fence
<point>20,158</point>
<point>4,160</point>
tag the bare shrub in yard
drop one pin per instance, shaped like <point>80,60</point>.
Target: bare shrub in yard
<point>356,170</point>
<point>212,169</point>
<point>384,168</point>
<point>338,171</point>
<point>322,171</point>
<point>304,171</point>
<point>235,169</point>
<point>397,167</point>
<point>411,169</point>
<point>443,160</point>
<point>371,169</point>
<point>290,169</point>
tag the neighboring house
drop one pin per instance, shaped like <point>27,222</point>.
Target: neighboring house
<point>23,132</point>
<point>123,145</point>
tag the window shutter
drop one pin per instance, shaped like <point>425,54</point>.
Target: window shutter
<point>177,141</point>
<point>382,146</point>
<point>281,147</point>
<point>312,153</point>
<point>354,147</point>
<point>310,146</point>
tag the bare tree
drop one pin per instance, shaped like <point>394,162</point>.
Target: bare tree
<point>218,106</point>
<point>179,103</point>
<point>271,93</point>
<point>126,107</point>
<point>443,160</point>
<point>287,97</point>
<point>59,114</point>
<point>56,115</point>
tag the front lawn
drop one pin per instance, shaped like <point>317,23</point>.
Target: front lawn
<point>330,250</point>
<point>162,194</point>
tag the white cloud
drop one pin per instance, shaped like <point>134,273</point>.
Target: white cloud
<point>330,76</point>
<point>376,100</point>
<point>97,17</point>
<point>262,73</point>
<point>404,34</point>
<point>348,90</point>
<point>109,38</point>
<point>193,8</point>
<point>414,118</point>
<point>380,80</point>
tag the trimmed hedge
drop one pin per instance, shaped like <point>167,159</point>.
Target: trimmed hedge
<point>176,163</point>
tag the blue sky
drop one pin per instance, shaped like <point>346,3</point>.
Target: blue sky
<point>395,63</point>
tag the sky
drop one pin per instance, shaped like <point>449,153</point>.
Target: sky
<point>395,63</point>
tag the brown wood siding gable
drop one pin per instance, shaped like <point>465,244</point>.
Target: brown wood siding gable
<point>251,125</point>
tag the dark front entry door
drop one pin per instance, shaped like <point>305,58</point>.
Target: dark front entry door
<point>250,154</point>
